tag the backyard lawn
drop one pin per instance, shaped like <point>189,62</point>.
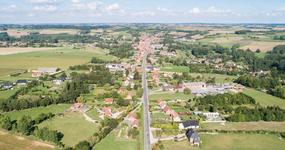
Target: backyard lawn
<point>73,126</point>
<point>34,112</point>
<point>265,99</point>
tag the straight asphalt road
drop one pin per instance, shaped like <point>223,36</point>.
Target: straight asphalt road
<point>147,145</point>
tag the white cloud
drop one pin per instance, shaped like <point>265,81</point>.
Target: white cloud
<point>11,8</point>
<point>94,5</point>
<point>43,1</point>
<point>163,9</point>
<point>143,14</point>
<point>195,10</point>
<point>280,9</point>
<point>112,7</point>
<point>78,1</point>
<point>214,10</point>
<point>32,15</point>
<point>78,6</point>
<point>48,8</point>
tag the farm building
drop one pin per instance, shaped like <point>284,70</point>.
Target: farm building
<point>195,85</point>
<point>189,124</point>
<point>48,70</point>
<point>193,137</point>
<point>168,88</point>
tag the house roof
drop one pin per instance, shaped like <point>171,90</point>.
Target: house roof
<point>107,110</point>
<point>48,69</point>
<point>129,95</point>
<point>121,89</point>
<point>22,81</point>
<point>109,100</point>
<point>194,83</point>
<point>8,84</point>
<point>136,122</point>
<point>174,114</point>
<point>36,73</point>
<point>192,134</point>
<point>159,100</point>
<point>166,108</point>
<point>76,105</point>
<point>161,104</point>
<point>190,123</point>
<point>132,115</point>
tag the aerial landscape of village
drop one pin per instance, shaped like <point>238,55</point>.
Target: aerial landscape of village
<point>142,75</point>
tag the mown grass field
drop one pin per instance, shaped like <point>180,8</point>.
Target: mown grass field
<point>224,141</point>
<point>241,141</point>
<point>110,142</point>
<point>7,93</point>
<point>219,78</point>
<point>169,96</point>
<point>261,125</point>
<point>73,126</point>
<point>176,69</point>
<point>34,112</point>
<point>12,142</point>
<point>60,58</point>
<point>265,99</point>
<point>93,114</point>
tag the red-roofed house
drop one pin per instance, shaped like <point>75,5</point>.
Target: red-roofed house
<point>106,111</point>
<point>76,105</point>
<point>126,82</point>
<point>36,74</point>
<point>91,69</point>
<point>167,110</point>
<point>121,90</point>
<point>159,101</point>
<point>136,123</point>
<point>109,101</point>
<point>132,116</point>
<point>231,69</point>
<point>139,70</point>
<point>129,96</point>
<point>175,117</point>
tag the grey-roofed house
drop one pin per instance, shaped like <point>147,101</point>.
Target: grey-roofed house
<point>7,85</point>
<point>193,137</point>
<point>48,70</point>
<point>22,82</point>
<point>189,124</point>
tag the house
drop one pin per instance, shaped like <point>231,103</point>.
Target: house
<point>57,81</point>
<point>168,88</point>
<point>109,101</point>
<point>7,85</point>
<point>211,114</point>
<point>132,116</point>
<point>126,82</point>
<point>136,123</point>
<point>167,110</point>
<point>231,69</point>
<point>162,105</point>
<point>195,85</point>
<point>121,90</point>
<point>129,96</point>
<point>90,69</point>
<point>193,137</point>
<point>189,124</point>
<point>76,105</point>
<point>48,70</point>
<point>132,84</point>
<point>36,74</point>
<point>106,111</point>
<point>175,117</point>
<point>159,101</point>
<point>22,82</point>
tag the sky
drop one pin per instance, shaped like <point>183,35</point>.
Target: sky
<point>142,11</point>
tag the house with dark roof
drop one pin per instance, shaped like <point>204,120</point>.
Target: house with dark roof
<point>193,137</point>
<point>22,82</point>
<point>7,85</point>
<point>189,124</point>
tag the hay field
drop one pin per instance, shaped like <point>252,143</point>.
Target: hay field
<point>220,40</point>
<point>15,33</point>
<point>178,33</point>
<point>7,51</point>
<point>263,46</point>
<point>221,31</point>
<point>197,36</point>
<point>9,142</point>
<point>58,31</point>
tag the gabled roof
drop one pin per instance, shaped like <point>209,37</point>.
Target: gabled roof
<point>132,115</point>
<point>22,81</point>
<point>159,100</point>
<point>166,108</point>
<point>8,84</point>
<point>129,95</point>
<point>136,122</point>
<point>192,134</point>
<point>190,123</point>
<point>109,100</point>
<point>174,114</point>
<point>75,105</point>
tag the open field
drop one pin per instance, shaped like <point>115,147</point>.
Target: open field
<point>260,55</point>
<point>69,31</point>
<point>7,51</point>
<point>15,33</point>
<point>9,142</point>
<point>265,99</point>
<point>175,69</point>
<point>263,46</point>
<point>169,96</point>
<point>241,141</point>
<point>219,78</point>
<point>7,93</point>
<point>73,126</point>
<point>220,40</point>
<point>224,141</point>
<point>93,114</point>
<point>261,125</point>
<point>111,142</point>
<point>58,58</point>
<point>34,112</point>
<point>178,33</point>
<point>221,31</point>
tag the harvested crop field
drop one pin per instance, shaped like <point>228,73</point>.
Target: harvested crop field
<point>197,36</point>
<point>178,33</point>
<point>221,31</point>
<point>7,51</point>
<point>263,46</point>
<point>16,33</point>
<point>58,31</point>
<point>220,40</point>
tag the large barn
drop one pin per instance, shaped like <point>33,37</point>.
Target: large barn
<point>195,85</point>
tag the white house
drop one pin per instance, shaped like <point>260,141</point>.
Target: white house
<point>189,124</point>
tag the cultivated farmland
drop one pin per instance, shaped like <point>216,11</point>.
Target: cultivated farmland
<point>263,46</point>
<point>7,51</point>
